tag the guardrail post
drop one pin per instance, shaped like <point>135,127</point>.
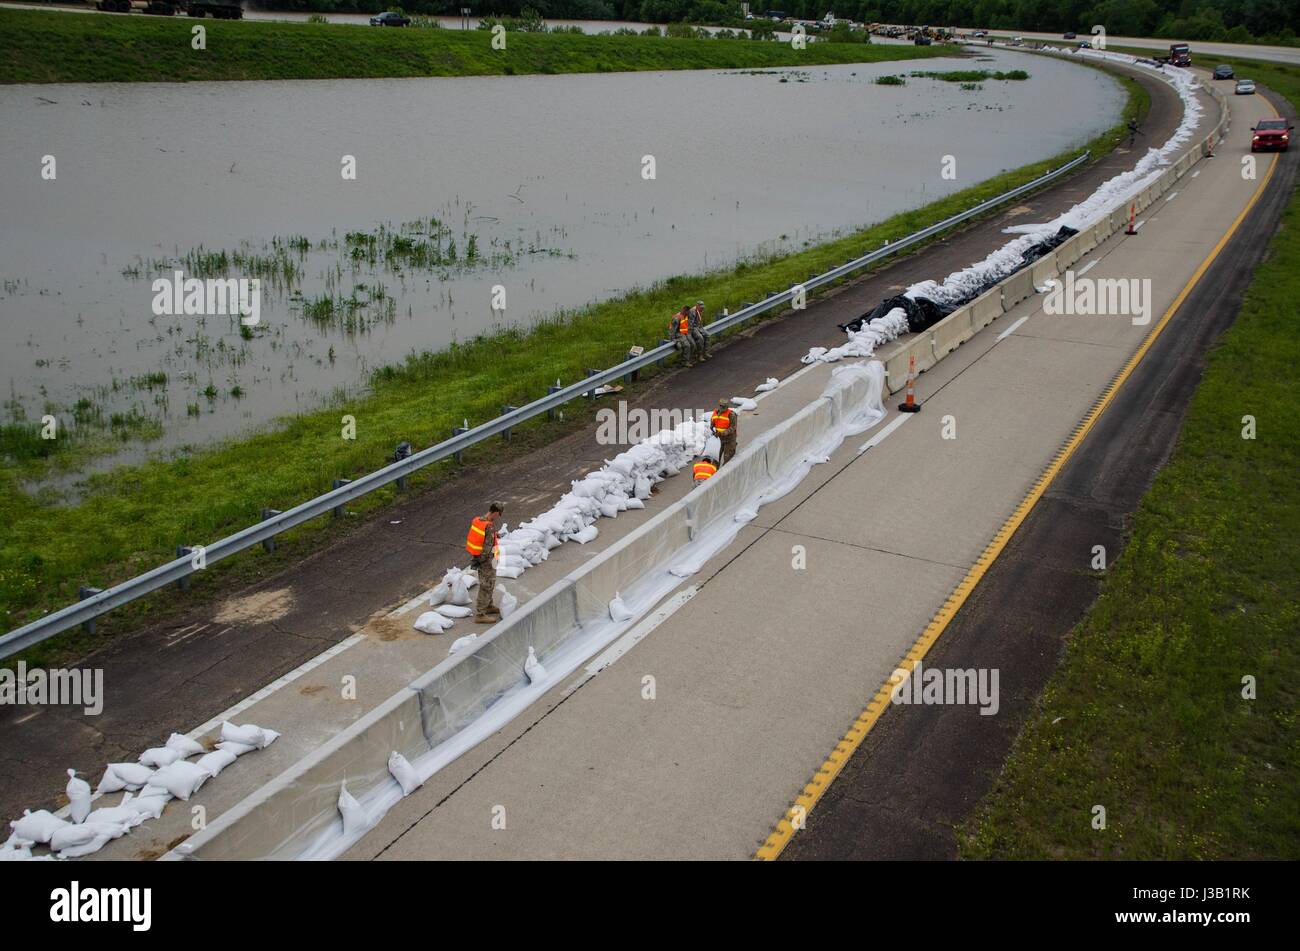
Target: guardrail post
<point>338,510</point>
<point>591,393</point>
<point>663,360</point>
<point>84,592</point>
<point>459,431</point>
<point>268,544</point>
<point>183,551</point>
<point>507,408</point>
<point>402,451</point>
<point>553,413</point>
<point>632,375</point>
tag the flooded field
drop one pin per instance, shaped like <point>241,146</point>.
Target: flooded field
<point>463,188</point>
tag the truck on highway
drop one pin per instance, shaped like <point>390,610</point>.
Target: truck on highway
<point>1180,54</point>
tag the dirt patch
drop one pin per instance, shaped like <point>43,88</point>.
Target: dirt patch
<point>259,606</point>
<point>311,690</point>
<point>394,628</point>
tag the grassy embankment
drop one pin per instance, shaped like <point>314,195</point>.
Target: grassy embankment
<point>39,46</point>
<point>1146,714</point>
<point>131,518</point>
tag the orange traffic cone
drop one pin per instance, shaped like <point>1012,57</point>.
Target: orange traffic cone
<point>910,405</point>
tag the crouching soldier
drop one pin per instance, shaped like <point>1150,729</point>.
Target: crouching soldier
<point>679,332</point>
<point>704,469</point>
<point>698,336</point>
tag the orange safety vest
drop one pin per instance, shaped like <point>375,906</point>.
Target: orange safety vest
<point>704,470</point>
<point>477,536</point>
<point>683,324</point>
<point>722,422</point>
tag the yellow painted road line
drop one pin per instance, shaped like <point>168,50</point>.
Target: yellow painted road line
<point>839,756</point>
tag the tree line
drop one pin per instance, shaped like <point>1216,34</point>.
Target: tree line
<point>1240,21</point>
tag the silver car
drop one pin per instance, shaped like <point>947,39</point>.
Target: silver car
<point>1245,87</point>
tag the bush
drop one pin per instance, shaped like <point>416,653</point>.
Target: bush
<point>681,31</point>
<point>890,81</point>
<point>425,22</point>
<point>317,18</point>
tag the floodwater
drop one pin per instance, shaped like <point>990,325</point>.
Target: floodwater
<point>544,172</point>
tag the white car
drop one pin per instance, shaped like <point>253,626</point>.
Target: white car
<point>1245,87</point>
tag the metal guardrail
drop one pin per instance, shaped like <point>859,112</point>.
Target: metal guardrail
<point>178,571</point>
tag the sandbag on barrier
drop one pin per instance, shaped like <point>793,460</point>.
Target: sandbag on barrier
<point>923,313</point>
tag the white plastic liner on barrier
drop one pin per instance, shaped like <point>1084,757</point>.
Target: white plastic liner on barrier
<point>470,696</point>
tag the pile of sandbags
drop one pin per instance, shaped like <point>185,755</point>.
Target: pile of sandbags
<point>623,483</point>
<point>162,773</point>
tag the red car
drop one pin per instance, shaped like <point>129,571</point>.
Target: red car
<point>1272,135</point>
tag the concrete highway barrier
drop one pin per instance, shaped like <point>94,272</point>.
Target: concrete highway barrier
<point>1045,269</point>
<point>1017,287</point>
<point>985,309</point>
<point>951,332</point>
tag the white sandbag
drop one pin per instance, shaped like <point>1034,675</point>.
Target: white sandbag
<point>181,779</point>
<point>71,838</point>
<point>119,776</point>
<point>509,561</point>
<point>37,826</point>
<point>622,503</point>
<point>619,611</point>
<point>249,734</point>
<point>71,835</point>
<point>159,756</point>
<point>609,509</point>
<point>744,404</point>
<point>533,668</point>
<point>19,853</point>
<point>150,806</point>
<point>504,601</point>
<point>432,622</point>
<point>184,745</point>
<point>441,591</point>
<point>461,643</point>
<point>355,820</point>
<point>452,611</point>
<point>771,384</point>
<point>553,541</point>
<point>510,572</point>
<point>712,448</point>
<point>588,534</point>
<point>470,576</point>
<point>459,586</point>
<point>78,791</point>
<point>746,515</point>
<point>239,749</point>
<point>404,773</point>
<point>150,791</point>
<point>643,487</point>
<point>216,761</point>
<point>126,813</point>
<point>635,504</point>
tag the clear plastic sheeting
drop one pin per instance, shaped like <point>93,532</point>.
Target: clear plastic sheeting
<point>470,696</point>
